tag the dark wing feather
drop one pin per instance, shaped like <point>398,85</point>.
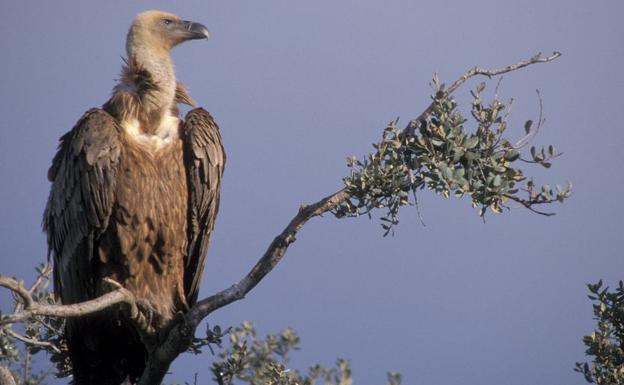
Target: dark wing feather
<point>83,175</point>
<point>205,159</point>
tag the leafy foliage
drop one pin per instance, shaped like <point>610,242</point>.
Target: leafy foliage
<point>8,348</point>
<point>606,343</point>
<point>39,334</point>
<point>257,361</point>
<point>213,336</point>
<point>438,153</point>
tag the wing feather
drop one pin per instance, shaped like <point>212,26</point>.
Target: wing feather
<point>205,160</point>
<point>83,175</point>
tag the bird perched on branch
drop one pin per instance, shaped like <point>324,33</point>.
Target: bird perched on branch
<point>134,196</point>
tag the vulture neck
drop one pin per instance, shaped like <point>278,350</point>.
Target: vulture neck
<point>144,100</point>
<point>161,95</point>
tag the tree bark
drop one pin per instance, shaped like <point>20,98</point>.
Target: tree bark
<point>6,378</point>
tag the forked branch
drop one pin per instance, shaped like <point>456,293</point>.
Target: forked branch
<point>499,71</point>
<point>33,308</point>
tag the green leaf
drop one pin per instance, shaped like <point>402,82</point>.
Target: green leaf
<point>551,150</point>
<point>512,155</point>
<point>447,173</point>
<point>471,142</point>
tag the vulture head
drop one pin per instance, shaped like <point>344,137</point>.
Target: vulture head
<point>161,31</point>
<point>146,97</point>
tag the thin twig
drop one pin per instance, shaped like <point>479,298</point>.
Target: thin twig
<point>26,367</point>
<point>476,71</point>
<point>499,71</point>
<point>43,276</point>
<point>46,325</point>
<point>529,205</point>
<point>532,133</point>
<point>32,341</point>
<point>422,222</point>
<point>540,118</point>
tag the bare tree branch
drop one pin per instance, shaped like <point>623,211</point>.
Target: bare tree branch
<point>33,308</point>
<point>477,71</point>
<point>43,276</point>
<point>269,260</point>
<point>18,289</point>
<point>528,204</point>
<point>499,71</point>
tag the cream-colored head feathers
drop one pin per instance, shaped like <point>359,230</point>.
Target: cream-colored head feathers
<point>161,31</point>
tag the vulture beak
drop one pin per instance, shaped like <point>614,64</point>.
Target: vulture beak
<point>192,31</point>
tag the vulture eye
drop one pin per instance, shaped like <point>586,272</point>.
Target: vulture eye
<point>167,21</point>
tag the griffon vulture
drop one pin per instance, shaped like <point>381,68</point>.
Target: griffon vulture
<point>134,196</point>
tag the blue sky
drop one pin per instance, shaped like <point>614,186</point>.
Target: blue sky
<point>299,86</point>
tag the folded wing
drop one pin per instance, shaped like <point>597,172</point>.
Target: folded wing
<point>205,160</point>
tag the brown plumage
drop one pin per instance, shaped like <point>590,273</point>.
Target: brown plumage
<point>134,196</point>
